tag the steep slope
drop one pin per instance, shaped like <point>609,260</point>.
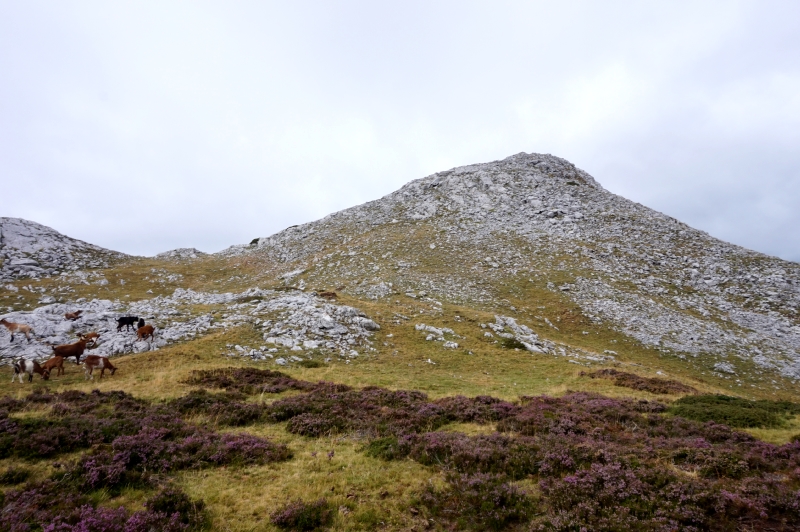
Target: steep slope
<point>488,235</point>
<point>29,249</point>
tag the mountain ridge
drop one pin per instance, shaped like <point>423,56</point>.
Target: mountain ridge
<point>500,236</point>
<point>619,254</point>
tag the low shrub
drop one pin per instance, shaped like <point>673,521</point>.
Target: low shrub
<point>76,421</point>
<point>155,450</point>
<point>225,409</point>
<point>734,411</point>
<point>248,380</point>
<point>373,411</point>
<point>301,515</point>
<point>310,363</point>
<point>58,507</point>
<point>477,502</point>
<point>636,382</point>
<point>511,343</point>
<point>481,409</point>
<point>601,465</point>
<point>173,501</point>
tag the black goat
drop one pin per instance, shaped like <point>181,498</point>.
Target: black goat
<point>127,322</point>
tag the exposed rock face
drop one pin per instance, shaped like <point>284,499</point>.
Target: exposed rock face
<point>457,234</point>
<point>181,254</point>
<point>28,249</point>
<point>299,321</point>
<point>476,236</point>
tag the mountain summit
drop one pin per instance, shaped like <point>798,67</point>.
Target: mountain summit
<point>488,233</point>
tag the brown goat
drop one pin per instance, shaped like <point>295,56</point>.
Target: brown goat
<point>143,332</point>
<point>92,362</point>
<point>17,328</point>
<point>93,336</point>
<point>71,350</point>
<point>73,315</point>
<point>327,295</point>
<point>55,362</point>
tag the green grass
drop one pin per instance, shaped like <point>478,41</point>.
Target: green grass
<point>736,412</point>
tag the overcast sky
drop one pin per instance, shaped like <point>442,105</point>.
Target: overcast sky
<point>147,126</point>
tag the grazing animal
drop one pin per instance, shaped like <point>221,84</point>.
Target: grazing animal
<point>17,328</point>
<point>93,336</point>
<point>55,362</point>
<point>143,332</point>
<point>73,315</point>
<point>327,295</point>
<point>141,323</point>
<point>127,322</point>
<point>22,366</point>
<point>93,362</point>
<point>71,350</point>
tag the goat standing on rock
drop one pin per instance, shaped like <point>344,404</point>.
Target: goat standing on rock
<point>73,315</point>
<point>143,332</point>
<point>18,328</point>
<point>127,322</point>
<point>22,366</point>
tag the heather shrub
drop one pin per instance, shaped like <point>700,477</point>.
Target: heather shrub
<point>248,380</point>
<point>374,411</point>
<point>481,409</point>
<point>300,515</point>
<point>173,501</point>
<point>161,450</point>
<point>154,521</point>
<point>494,453</point>
<point>43,437</point>
<point>37,504</point>
<point>92,519</point>
<point>576,413</point>
<point>224,409</point>
<point>635,382</point>
<point>89,519</point>
<point>733,411</point>
<point>477,502</point>
<point>600,463</point>
<point>615,497</point>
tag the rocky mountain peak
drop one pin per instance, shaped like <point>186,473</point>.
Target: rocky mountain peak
<point>463,233</point>
<point>29,249</point>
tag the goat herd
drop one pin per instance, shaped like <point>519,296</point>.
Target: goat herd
<point>60,352</point>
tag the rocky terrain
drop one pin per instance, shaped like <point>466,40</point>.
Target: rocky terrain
<point>493,236</point>
<point>31,250</point>
<point>459,234</point>
<point>295,321</point>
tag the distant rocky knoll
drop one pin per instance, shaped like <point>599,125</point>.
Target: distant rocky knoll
<point>181,253</point>
<point>32,250</point>
<point>460,234</point>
